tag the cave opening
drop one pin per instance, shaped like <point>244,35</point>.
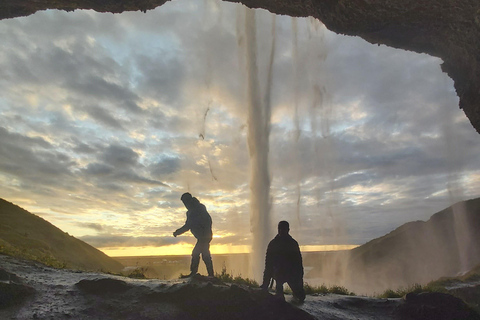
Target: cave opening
<point>112,117</point>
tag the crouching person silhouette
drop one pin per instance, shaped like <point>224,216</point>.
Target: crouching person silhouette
<point>199,223</point>
<point>283,262</point>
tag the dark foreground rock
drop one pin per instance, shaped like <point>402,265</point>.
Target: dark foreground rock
<point>64,294</point>
<point>34,291</point>
<point>189,299</point>
<point>103,286</point>
<point>435,306</point>
<point>469,293</point>
<point>12,291</point>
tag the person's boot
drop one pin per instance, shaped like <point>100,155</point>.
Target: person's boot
<point>184,276</point>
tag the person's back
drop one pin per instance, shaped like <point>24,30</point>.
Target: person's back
<point>283,262</point>
<point>199,220</point>
<point>285,258</point>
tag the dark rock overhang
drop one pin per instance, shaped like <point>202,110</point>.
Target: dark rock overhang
<point>448,29</point>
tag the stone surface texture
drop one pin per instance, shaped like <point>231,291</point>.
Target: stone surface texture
<point>448,29</point>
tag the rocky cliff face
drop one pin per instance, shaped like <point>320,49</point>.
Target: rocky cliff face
<point>449,29</point>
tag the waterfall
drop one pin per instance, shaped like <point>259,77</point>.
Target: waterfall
<point>258,121</point>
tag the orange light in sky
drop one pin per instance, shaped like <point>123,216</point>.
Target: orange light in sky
<point>186,249</point>
<point>329,247</point>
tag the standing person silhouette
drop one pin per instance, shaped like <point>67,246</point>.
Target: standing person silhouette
<point>283,262</point>
<point>199,223</point>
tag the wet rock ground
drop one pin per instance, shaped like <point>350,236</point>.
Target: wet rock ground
<point>29,290</point>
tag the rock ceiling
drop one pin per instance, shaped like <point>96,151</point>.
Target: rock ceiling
<point>449,29</point>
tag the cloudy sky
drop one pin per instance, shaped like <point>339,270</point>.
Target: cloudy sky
<point>106,119</point>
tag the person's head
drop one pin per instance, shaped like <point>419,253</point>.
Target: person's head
<point>186,199</point>
<point>283,227</point>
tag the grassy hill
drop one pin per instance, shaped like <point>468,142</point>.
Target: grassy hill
<point>417,252</point>
<point>25,235</point>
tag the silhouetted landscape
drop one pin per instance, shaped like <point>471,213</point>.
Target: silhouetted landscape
<point>28,236</point>
<point>444,246</point>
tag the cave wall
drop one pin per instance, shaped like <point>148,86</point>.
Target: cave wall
<point>449,29</point>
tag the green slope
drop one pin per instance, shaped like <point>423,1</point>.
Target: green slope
<point>25,235</point>
<point>421,251</point>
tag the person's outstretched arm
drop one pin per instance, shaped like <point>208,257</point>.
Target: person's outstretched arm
<point>184,228</point>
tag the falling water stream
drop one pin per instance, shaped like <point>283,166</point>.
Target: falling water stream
<point>259,111</point>
<point>259,126</point>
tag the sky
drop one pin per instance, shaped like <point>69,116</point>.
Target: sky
<point>106,119</point>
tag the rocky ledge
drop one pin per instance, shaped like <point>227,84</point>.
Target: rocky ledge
<point>29,290</point>
<point>448,29</point>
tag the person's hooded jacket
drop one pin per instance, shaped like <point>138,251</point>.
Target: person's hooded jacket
<point>198,221</point>
<point>283,260</point>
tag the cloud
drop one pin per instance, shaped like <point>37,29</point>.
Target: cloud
<point>165,166</point>
<point>135,178</point>
<point>105,241</point>
<point>99,89</point>
<point>120,156</point>
<point>98,169</point>
<point>161,76</point>
<point>94,226</point>
<point>32,159</point>
<point>119,166</point>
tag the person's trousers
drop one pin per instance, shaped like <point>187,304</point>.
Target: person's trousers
<point>202,247</point>
<point>295,284</point>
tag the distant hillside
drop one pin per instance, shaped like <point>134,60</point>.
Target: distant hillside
<point>26,235</point>
<point>447,244</point>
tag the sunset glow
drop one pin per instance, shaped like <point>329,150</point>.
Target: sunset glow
<point>186,249</point>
